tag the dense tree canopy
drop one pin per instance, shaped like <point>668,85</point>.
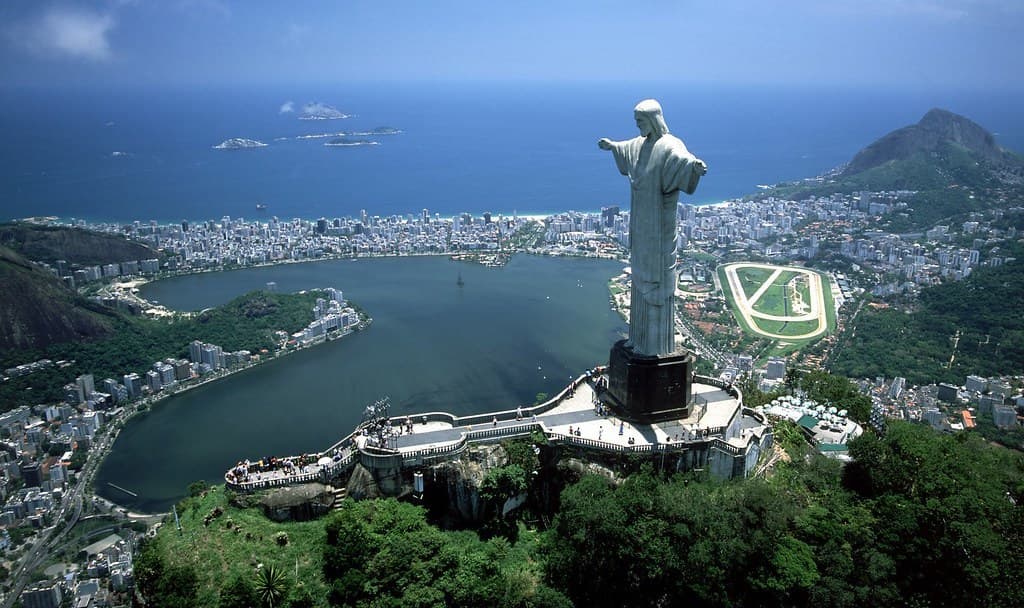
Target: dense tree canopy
<point>921,519</point>
<point>384,553</point>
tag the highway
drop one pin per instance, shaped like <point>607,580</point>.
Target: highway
<point>696,342</point>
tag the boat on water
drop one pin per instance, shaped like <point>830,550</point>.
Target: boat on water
<point>261,207</point>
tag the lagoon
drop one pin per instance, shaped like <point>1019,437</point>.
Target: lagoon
<point>496,342</point>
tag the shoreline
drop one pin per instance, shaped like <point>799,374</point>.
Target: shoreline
<point>156,400</point>
<point>153,401</point>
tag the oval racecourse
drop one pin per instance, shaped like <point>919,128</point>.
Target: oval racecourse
<point>779,302</point>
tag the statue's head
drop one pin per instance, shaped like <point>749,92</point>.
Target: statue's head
<point>649,118</point>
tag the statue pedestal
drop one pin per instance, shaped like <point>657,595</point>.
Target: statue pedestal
<point>646,388</point>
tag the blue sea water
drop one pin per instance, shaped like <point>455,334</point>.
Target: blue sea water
<point>464,147</point>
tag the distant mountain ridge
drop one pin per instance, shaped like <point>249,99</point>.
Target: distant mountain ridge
<point>74,245</point>
<point>37,309</point>
<point>936,130</point>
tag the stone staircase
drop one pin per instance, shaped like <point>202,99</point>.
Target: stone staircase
<point>339,495</point>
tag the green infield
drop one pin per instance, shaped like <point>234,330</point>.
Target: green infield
<point>751,279</point>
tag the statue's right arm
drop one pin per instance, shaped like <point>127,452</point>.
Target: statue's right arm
<point>604,143</point>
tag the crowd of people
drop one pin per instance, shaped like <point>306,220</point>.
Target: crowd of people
<point>272,467</point>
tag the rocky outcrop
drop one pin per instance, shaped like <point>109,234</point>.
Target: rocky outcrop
<point>298,503</point>
<point>362,485</point>
<point>573,469</point>
<point>460,481</point>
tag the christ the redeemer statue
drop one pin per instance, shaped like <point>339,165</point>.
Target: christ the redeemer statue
<point>658,166</point>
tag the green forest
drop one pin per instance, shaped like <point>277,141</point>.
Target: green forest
<point>984,309</point>
<point>247,322</point>
<point>918,519</point>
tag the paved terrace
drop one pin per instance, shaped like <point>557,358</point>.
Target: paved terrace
<point>573,416</point>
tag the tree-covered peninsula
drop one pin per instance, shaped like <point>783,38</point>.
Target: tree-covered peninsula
<point>246,323</point>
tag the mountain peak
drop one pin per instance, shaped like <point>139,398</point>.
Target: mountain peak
<point>937,129</point>
<point>937,115</point>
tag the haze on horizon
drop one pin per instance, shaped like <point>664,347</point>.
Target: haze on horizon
<point>922,44</point>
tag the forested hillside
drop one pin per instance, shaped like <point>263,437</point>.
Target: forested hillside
<point>983,311</point>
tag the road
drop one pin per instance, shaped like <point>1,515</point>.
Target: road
<point>697,343</point>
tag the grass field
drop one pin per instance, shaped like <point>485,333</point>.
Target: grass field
<point>752,278</point>
<point>238,540</point>
<point>787,328</point>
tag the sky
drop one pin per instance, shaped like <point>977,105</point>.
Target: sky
<point>906,43</point>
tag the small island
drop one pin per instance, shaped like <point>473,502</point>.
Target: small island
<point>320,135</point>
<point>345,142</point>
<point>321,111</point>
<point>379,131</point>
<point>239,143</point>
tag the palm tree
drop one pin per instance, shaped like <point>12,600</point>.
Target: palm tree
<point>271,585</point>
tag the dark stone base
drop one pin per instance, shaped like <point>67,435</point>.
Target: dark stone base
<point>644,388</point>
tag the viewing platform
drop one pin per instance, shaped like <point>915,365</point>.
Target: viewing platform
<point>719,433</point>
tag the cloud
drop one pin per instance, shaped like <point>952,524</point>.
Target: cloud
<point>65,32</point>
<point>286,107</point>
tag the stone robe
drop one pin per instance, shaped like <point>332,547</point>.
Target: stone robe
<point>657,172</point>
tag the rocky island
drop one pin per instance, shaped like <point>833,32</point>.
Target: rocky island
<point>379,131</point>
<point>321,111</point>
<point>239,143</point>
<point>344,142</point>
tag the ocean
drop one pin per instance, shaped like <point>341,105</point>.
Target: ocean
<point>147,154</point>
